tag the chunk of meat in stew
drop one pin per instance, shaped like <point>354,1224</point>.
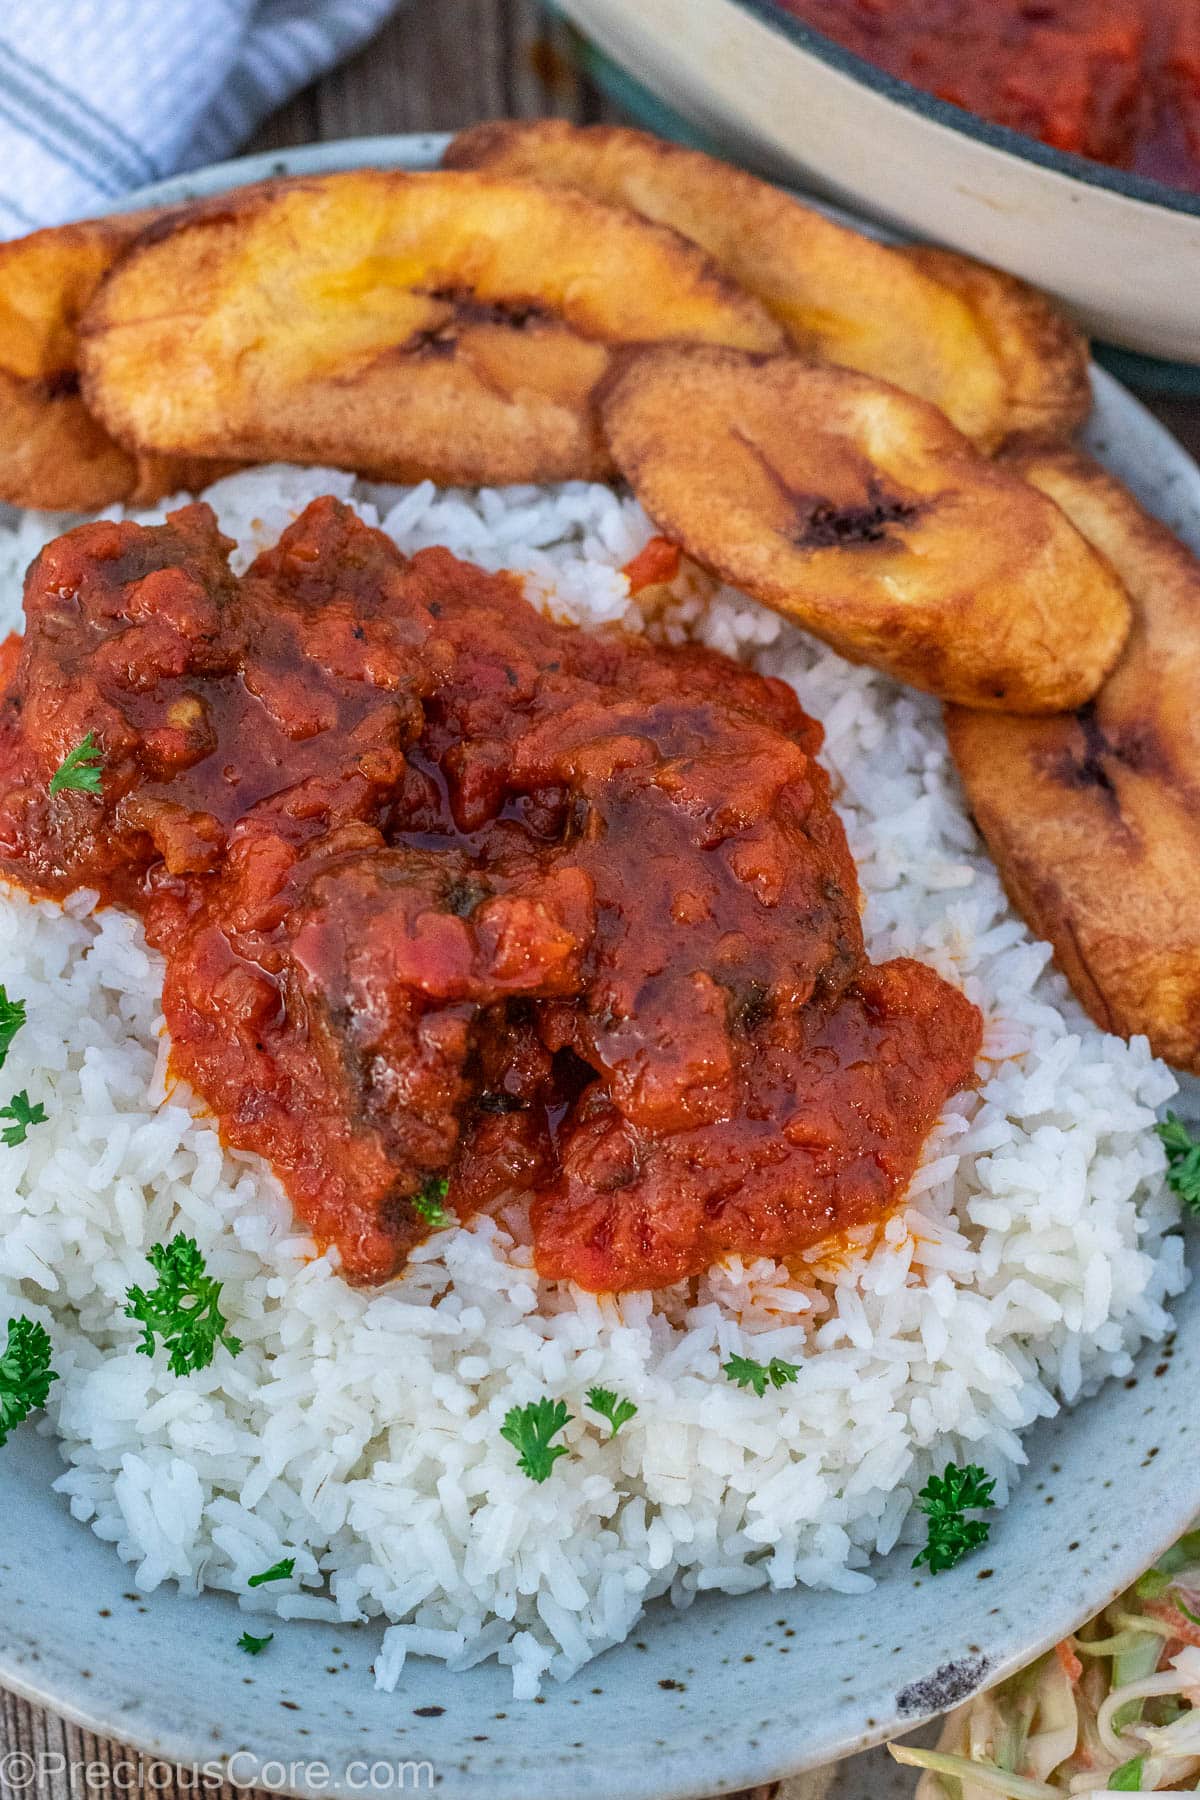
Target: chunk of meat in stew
<point>447,888</point>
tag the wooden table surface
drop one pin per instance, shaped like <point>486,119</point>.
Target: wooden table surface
<point>440,64</point>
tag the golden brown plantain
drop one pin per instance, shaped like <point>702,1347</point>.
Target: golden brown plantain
<point>1094,817</point>
<point>442,325</point>
<point>1044,357</point>
<point>53,453</point>
<point>841,297</point>
<point>861,513</point>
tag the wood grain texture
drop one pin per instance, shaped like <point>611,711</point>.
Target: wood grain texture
<point>438,65</point>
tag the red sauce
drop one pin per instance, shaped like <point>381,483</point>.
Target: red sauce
<point>1114,80</point>
<point>446,889</point>
<point>658,561</point>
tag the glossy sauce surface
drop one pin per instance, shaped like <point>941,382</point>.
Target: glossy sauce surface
<point>1114,80</point>
<point>448,890</point>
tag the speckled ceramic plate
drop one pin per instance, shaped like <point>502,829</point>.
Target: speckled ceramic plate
<point>730,1693</point>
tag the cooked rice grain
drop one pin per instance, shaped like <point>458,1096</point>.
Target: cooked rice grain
<point>360,1431</point>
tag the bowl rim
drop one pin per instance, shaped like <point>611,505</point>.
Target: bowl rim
<point>1122,182</point>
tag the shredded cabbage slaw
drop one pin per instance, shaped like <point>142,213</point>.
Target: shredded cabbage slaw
<point>1113,1709</point>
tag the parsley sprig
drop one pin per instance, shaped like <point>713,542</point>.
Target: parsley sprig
<point>1183,1160</point>
<point>25,1374</point>
<point>530,1428</point>
<point>80,769</point>
<point>946,1500</point>
<point>23,1115</point>
<point>618,1412</point>
<point>183,1310</point>
<point>12,1017</point>
<point>254,1646</point>
<point>280,1571</point>
<point>748,1373</point>
<point>427,1204</point>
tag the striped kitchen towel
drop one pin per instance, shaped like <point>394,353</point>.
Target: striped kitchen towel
<point>100,96</point>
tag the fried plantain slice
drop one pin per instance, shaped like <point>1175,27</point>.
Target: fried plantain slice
<point>1094,818</point>
<point>1044,357</point>
<point>441,325</point>
<point>53,453</point>
<point>841,297</point>
<point>862,514</point>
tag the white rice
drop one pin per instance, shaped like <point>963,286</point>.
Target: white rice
<point>359,1432</point>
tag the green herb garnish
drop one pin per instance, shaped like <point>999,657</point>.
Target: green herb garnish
<point>530,1428</point>
<point>12,1017</point>
<point>606,1403</point>
<point>280,1571</point>
<point>945,1500</point>
<point>1183,1160</point>
<point>748,1373</point>
<point>1128,1778</point>
<point>24,1115</point>
<point>428,1202</point>
<point>25,1374</point>
<point>183,1309</point>
<point>254,1646</point>
<point>79,769</point>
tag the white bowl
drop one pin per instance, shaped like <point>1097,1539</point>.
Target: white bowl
<point>1123,252</point>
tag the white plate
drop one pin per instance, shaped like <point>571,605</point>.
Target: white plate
<point>729,1694</point>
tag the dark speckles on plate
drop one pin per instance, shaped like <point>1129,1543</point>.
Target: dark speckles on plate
<point>946,1687</point>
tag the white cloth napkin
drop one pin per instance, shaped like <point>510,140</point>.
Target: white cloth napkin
<point>100,96</point>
